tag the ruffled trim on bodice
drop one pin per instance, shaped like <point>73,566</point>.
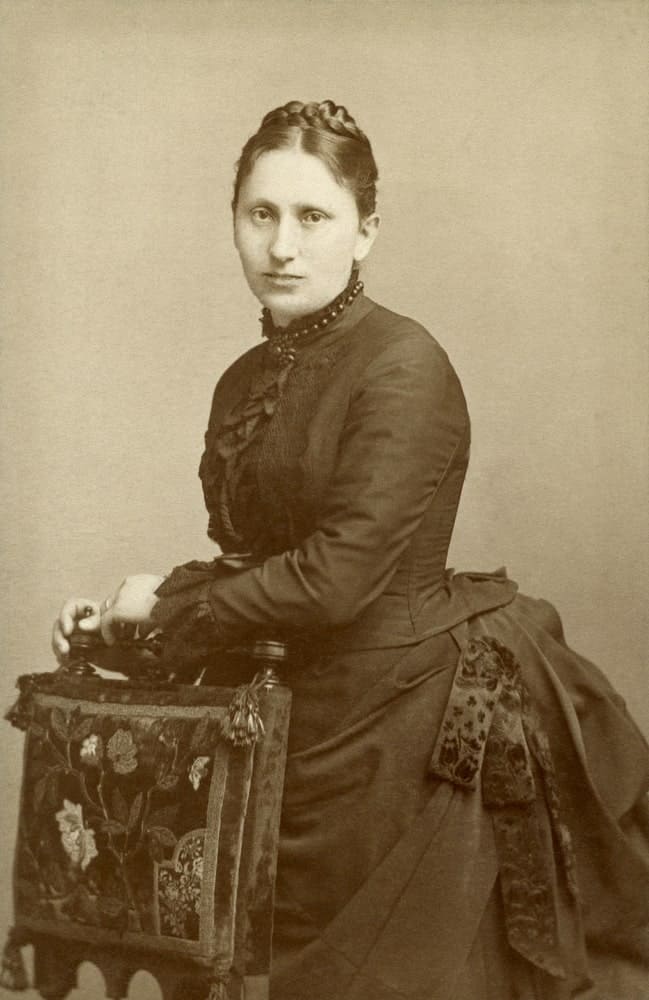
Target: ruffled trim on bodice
<point>222,470</point>
<point>228,465</point>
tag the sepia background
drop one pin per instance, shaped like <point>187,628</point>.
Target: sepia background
<point>511,142</point>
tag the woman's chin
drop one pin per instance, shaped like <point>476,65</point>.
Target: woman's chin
<point>286,306</point>
<point>292,300</point>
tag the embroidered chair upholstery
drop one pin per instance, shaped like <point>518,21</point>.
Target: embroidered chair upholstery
<point>148,833</point>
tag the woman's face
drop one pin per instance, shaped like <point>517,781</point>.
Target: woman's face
<point>298,233</point>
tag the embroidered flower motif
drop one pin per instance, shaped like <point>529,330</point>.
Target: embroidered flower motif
<point>197,771</point>
<point>78,840</point>
<point>122,751</point>
<point>91,750</point>
<point>179,890</point>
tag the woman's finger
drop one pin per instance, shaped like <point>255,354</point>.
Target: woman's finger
<point>60,645</point>
<point>90,623</point>
<point>75,610</point>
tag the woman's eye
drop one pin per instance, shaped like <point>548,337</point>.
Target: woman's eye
<point>313,218</point>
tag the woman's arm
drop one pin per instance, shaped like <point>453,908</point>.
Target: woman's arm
<point>406,419</point>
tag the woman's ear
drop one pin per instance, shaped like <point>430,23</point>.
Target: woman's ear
<point>367,233</point>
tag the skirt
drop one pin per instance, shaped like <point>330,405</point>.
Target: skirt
<point>464,819</point>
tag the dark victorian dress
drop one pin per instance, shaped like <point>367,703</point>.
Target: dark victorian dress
<point>465,806</point>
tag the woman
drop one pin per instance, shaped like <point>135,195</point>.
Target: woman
<point>463,814</point>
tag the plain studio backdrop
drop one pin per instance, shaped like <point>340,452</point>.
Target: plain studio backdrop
<point>511,142</point>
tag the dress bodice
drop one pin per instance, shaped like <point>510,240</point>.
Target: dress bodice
<point>349,462</point>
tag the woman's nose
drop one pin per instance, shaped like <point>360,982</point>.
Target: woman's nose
<point>285,242</point>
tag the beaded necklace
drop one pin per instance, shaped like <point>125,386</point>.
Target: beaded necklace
<point>282,344</point>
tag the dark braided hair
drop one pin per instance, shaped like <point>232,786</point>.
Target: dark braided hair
<point>325,130</point>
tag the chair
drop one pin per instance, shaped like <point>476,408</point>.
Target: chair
<point>148,829</point>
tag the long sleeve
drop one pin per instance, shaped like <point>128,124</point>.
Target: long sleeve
<point>405,420</point>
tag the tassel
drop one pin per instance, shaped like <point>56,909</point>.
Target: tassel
<point>244,725</point>
<point>13,974</point>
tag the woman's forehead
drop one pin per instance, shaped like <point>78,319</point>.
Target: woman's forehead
<point>293,177</point>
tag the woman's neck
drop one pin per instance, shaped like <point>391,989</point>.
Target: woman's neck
<point>281,321</point>
<point>283,344</point>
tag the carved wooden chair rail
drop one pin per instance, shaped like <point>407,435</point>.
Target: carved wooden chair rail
<point>148,826</point>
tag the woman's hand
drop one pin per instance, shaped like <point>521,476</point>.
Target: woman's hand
<point>130,607</point>
<point>77,613</point>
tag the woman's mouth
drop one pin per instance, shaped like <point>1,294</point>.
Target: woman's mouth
<point>281,280</point>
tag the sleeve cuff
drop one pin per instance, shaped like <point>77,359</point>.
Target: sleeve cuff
<point>183,611</point>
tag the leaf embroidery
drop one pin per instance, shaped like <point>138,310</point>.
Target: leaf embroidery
<point>120,807</point>
<point>135,810</point>
<point>59,723</point>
